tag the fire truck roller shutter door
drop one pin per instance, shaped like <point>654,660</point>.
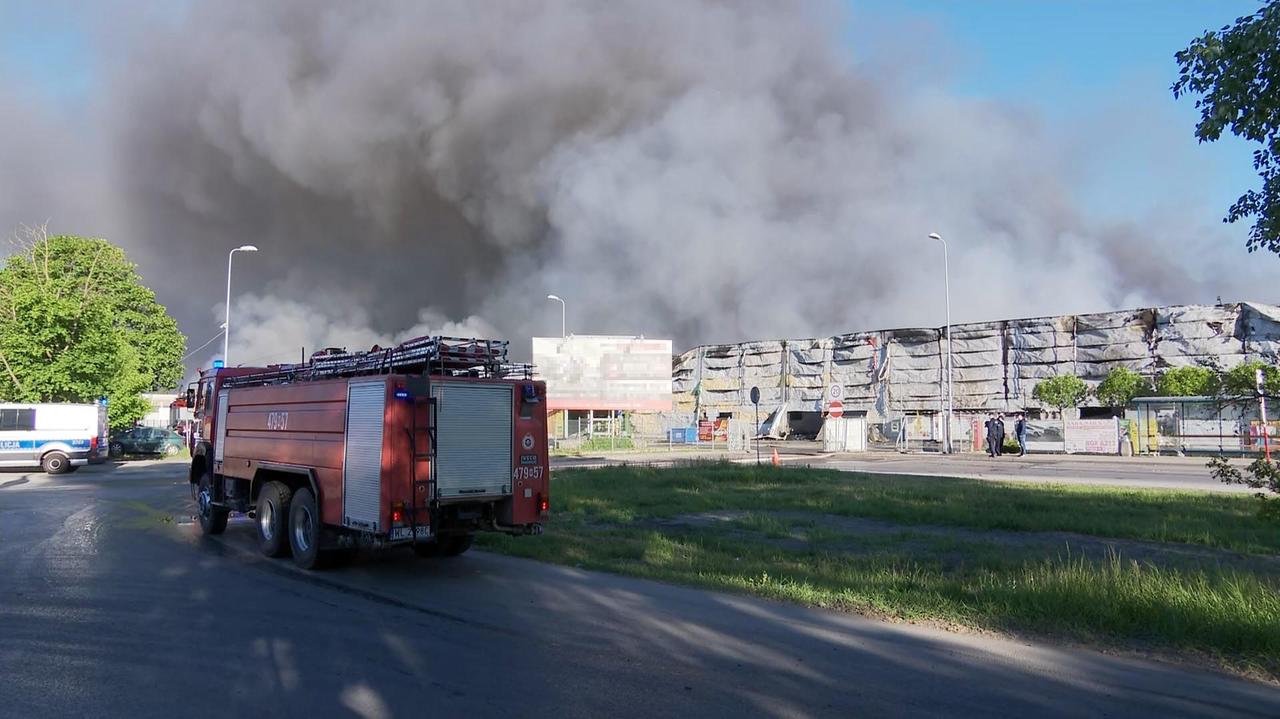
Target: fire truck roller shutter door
<point>473,439</point>
<point>362,468</point>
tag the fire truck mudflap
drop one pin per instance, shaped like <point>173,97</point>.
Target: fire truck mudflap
<point>424,444</point>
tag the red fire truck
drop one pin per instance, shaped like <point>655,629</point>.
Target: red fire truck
<point>422,444</point>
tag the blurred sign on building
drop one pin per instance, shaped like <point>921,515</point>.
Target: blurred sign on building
<point>598,372</point>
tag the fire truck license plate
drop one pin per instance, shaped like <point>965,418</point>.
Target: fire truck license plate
<point>534,473</point>
<point>407,533</point>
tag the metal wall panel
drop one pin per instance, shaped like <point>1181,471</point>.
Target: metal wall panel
<point>362,469</point>
<point>473,439</point>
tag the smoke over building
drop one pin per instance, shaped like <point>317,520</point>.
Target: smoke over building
<point>708,171</point>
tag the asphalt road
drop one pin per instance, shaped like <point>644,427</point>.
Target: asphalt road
<point>1153,472</point>
<point>112,605</point>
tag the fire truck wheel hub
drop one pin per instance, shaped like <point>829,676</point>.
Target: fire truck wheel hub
<point>266,520</point>
<point>303,528</point>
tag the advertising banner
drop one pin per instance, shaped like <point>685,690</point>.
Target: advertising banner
<point>597,372</point>
<point>1044,435</point>
<point>1092,436</point>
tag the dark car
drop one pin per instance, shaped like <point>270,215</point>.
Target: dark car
<point>146,440</point>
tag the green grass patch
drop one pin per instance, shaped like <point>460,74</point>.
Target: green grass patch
<point>1226,521</point>
<point>618,520</point>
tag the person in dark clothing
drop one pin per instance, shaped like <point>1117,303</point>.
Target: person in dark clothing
<point>990,426</point>
<point>1020,431</point>
<point>998,427</point>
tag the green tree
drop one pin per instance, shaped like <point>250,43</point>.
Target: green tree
<point>1235,72</point>
<point>1240,381</point>
<point>77,324</point>
<point>1121,386</point>
<point>1061,391</point>
<point>1188,382</point>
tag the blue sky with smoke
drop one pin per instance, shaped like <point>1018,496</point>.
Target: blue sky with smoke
<point>705,151</point>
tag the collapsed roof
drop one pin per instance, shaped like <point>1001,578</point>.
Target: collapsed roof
<point>996,365</point>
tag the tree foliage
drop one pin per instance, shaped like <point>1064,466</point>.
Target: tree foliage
<point>1261,475</point>
<point>1121,386</point>
<point>1240,381</point>
<point>1061,391</point>
<point>76,324</point>
<point>1192,381</point>
<point>1235,72</point>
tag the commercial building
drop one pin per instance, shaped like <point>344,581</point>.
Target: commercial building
<point>894,378</point>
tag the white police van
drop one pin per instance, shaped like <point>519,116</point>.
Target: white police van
<point>55,437</point>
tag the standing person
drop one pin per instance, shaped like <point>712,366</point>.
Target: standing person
<point>1020,431</point>
<point>990,426</point>
<point>999,432</point>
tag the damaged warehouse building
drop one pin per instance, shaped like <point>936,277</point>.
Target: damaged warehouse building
<point>892,378</point>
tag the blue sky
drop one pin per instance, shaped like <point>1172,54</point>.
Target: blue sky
<point>1083,65</point>
<point>43,47</point>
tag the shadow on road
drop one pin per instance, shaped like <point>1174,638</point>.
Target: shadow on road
<point>134,619</point>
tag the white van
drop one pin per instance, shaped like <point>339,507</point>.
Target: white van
<point>55,437</point>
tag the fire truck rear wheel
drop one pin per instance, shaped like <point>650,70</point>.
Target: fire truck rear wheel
<point>304,531</point>
<point>458,544</point>
<point>427,550</point>
<point>273,519</point>
<point>213,520</point>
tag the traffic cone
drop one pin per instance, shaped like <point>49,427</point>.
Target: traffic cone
<point>776,462</point>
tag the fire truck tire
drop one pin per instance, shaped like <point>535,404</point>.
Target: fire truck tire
<point>458,544</point>
<point>428,550</point>
<point>213,520</point>
<point>304,531</point>
<point>273,519</point>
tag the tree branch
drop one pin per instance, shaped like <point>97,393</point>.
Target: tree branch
<point>16,383</point>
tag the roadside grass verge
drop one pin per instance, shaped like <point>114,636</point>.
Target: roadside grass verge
<point>613,520</point>
<point>621,494</point>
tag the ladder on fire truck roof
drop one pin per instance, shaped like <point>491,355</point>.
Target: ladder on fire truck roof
<point>422,355</point>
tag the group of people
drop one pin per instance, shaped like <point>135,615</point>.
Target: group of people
<point>996,430</point>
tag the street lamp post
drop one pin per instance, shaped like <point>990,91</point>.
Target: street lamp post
<point>226,327</point>
<point>946,280</point>
<point>563,332</point>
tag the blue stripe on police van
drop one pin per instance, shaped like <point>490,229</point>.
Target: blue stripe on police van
<point>11,445</point>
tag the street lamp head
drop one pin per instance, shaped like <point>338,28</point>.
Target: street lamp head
<point>246,248</point>
<point>935,236</point>
<point>553,297</point>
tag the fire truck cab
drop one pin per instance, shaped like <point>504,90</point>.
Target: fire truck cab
<point>424,444</point>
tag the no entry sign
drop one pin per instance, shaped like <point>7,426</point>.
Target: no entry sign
<point>836,409</point>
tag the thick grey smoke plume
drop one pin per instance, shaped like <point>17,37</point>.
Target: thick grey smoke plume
<point>704,170</point>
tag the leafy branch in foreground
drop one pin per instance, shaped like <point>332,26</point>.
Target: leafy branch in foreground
<point>1261,474</point>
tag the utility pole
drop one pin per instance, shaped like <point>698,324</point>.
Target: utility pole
<point>1262,408</point>
<point>950,408</point>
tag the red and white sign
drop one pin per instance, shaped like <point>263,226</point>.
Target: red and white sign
<point>836,409</point>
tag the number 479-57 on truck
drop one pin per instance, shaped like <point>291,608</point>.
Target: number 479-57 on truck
<point>422,444</point>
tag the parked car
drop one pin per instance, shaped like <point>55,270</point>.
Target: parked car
<point>146,440</point>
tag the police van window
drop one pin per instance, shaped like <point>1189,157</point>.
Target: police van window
<point>17,420</point>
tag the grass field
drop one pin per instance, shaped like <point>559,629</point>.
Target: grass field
<point>1171,572</point>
